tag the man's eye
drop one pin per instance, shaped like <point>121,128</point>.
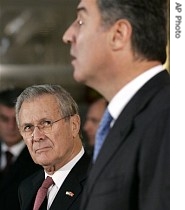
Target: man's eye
<point>80,22</point>
<point>27,128</point>
<point>46,123</point>
<point>4,118</point>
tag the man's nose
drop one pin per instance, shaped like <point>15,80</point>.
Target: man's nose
<point>68,36</point>
<point>85,126</point>
<point>37,134</point>
<point>12,124</point>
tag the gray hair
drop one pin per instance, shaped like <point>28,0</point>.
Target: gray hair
<point>67,105</point>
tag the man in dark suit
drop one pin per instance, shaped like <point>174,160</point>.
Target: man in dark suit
<point>48,119</point>
<point>119,48</point>
<point>21,165</point>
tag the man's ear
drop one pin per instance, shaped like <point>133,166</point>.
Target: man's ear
<point>120,34</point>
<point>75,124</point>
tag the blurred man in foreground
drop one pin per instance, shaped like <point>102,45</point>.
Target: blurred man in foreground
<point>118,47</point>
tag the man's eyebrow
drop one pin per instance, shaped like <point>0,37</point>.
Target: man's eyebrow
<point>26,124</point>
<point>79,9</point>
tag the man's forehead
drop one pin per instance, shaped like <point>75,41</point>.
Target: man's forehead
<point>85,5</point>
<point>6,109</point>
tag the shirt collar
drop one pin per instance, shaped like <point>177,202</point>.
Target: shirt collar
<point>60,175</point>
<point>120,100</point>
<point>15,149</point>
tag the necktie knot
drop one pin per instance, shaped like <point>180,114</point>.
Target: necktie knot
<point>102,132</point>
<point>47,182</point>
<point>9,157</point>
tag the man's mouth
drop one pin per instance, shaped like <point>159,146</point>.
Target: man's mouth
<point>42,149</point>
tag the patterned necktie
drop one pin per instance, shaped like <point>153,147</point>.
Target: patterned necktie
<point>102,133</point>
<point>42,192</point>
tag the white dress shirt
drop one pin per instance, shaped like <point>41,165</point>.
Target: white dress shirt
<point>15,150</point>
<point>59,177</point>
<point>121,99</point>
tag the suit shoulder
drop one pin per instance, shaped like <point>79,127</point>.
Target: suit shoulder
<point>28,180</point>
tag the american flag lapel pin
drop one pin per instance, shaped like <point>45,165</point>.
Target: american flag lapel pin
<point>69,193</point>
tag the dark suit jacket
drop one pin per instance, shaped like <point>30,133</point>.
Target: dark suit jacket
<point>19,170</point>
<point>74,182</point>
<point>132,169</point>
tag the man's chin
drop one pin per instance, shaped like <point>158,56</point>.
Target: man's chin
<point>78,78</point>
<point>12,141</point>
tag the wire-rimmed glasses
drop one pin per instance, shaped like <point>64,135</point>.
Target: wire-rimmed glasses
<point>44,125</point>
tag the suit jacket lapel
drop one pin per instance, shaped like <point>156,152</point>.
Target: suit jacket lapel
<point>63,197</point>
<point>73,183</point>
<point>13,170</point>
<point>29,196</point>
<point>72,187</point>
<point>120,130</point>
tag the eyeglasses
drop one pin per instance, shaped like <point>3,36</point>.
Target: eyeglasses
<point>44,126</point>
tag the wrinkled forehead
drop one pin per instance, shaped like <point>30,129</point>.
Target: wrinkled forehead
<point>43,106</point>
<point>7,111</point>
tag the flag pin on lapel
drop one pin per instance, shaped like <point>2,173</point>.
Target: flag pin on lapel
<point>69,193</point>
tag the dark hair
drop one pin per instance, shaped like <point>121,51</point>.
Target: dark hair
<point>148,19</point>
<point>8,97</point>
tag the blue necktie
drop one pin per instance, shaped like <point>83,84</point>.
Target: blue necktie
<point>102,133</point>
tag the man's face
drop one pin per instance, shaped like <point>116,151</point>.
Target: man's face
<point>93,119</point>
<point>9,131</point>
<point>89,44</point>
<point>55,147</point>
